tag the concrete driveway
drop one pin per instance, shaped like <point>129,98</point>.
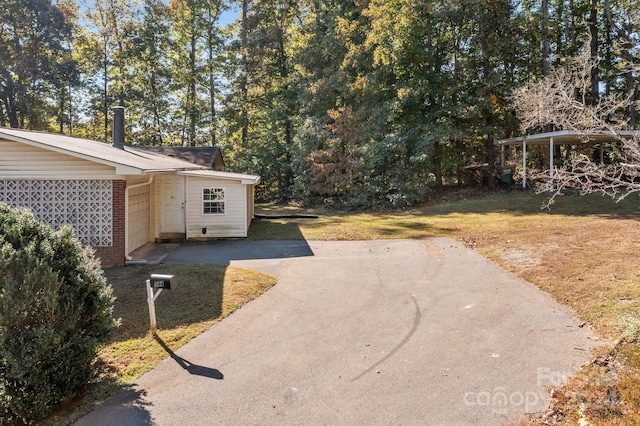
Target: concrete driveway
<point>412,332</point>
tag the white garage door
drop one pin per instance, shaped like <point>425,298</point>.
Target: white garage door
<point>138,217</point>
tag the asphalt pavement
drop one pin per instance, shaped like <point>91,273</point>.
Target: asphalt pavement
<point>411,332</point>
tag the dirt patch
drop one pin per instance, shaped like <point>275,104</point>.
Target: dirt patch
<point>519,259</point>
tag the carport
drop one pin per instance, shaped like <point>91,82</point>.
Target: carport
<point>563,137</point>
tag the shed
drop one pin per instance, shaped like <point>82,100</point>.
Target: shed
<point>119,198</point>
<point>563,137</point>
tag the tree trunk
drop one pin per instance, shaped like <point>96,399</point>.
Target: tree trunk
<point>12,111</point>
<point>157,130</point>
<point>191,98</point>
<point>437,164</point>
<point>61,108</point>
<point>212,91</point>
<point>105,93</point>
<point>70,111</point>
<point>211,17</point>
<point>572,32</point>
<point>244,83</point>
<point>626,54</point>
<point>593,28</point>
<point>544,11</point>
<point>630,82</point>
<point>288,137</point>
<point>490,156</point>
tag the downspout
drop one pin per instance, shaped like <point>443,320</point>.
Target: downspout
<point>184,207</point>
<point>245,208</point>
<point>127,256</point>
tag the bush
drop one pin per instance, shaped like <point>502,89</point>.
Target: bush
<point>55,311</point>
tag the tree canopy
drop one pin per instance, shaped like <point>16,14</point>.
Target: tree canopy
<point>353,103</point>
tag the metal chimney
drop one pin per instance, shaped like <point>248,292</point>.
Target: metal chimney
<point>117,135</point>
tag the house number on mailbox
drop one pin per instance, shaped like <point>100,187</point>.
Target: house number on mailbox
<point>159,282</point>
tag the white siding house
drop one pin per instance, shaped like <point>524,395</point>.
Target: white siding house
<point>217,206</point>
<point>119,198</point>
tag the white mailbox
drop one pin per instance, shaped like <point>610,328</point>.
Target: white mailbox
<point>157,282</point>
<point>166,282</point>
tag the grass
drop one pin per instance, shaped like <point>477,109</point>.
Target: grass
<point>582,252</point>
<point>205,295</point>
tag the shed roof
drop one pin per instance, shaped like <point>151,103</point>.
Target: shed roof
<point>208,156</point>
<point>568,137</point>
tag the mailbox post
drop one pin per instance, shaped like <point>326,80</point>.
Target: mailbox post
<point>159,282</point>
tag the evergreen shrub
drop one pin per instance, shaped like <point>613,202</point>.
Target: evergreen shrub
<point>55,313</point>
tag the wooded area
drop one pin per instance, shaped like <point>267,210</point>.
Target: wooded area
<point>347,102</point>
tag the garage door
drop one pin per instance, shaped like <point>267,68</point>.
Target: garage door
<point>138,217</point>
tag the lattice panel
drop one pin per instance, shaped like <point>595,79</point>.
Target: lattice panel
<point>86,205</point>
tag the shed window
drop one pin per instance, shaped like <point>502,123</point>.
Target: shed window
<point>213,201</point>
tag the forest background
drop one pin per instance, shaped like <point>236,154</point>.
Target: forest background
<point>357,103</point>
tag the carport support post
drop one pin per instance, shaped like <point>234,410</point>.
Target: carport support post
<point>550,160</point>
<point>524,164</point>
<point>151,299</point>
<point>602,153</point>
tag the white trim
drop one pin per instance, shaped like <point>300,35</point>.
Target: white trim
<point>224,200</point>
<point>13,176</point>
<point>213,174</point>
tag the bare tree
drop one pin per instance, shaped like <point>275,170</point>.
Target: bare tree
<point>564,99</point>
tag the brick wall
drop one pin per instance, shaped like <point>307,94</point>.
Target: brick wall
<point>114,255</point>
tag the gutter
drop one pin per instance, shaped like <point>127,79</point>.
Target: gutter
<point>127,255</point>
<point>175,170</point>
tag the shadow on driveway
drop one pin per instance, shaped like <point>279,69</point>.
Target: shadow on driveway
<point>191,368</point>
<point>223,252</point>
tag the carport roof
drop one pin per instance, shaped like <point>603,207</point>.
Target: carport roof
<point>562,137</point>
<point>568,137</point>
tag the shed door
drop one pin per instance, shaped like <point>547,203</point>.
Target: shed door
<point>138,217</point>
<point>172,204</point>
